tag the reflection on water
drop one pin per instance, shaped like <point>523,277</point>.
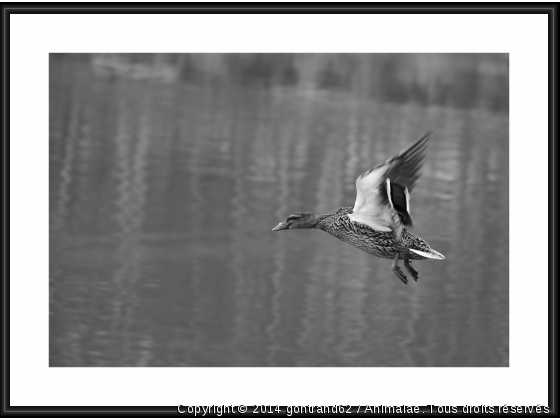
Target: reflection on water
<point>165,182</point>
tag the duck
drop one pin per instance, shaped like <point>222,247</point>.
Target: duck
<point>380,220</point>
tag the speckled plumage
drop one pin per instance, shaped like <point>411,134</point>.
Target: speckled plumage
<point>374,242</point>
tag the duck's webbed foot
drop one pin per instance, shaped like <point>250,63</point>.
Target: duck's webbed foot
<point>412,271</point>
<point>397,270</point>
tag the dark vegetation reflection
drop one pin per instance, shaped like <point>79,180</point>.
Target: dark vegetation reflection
<point>167,173</point>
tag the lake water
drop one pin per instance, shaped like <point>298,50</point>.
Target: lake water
<point>164,189</point>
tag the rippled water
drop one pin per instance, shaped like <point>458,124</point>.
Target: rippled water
<point>163,194</point>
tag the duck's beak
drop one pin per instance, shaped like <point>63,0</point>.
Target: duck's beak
<point>281,226</point>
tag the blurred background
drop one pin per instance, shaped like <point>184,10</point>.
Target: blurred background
<point>168,172</point>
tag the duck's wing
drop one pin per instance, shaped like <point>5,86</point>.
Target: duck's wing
<point>383,192</point>
<point>370,208</point>
<point>405,167</point>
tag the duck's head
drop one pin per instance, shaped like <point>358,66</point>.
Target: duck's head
<point>300,220</point>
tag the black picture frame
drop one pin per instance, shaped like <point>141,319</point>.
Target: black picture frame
<point>9,9</point>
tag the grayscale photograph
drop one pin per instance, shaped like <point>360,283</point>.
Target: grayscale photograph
<point>279,210</point>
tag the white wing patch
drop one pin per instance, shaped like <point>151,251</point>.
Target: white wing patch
<point>388,181</point>
<point>407,195</point>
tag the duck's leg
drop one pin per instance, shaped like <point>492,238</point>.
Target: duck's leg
<point>413,272</point>
<point>397,270</point>
<point>400,246</point>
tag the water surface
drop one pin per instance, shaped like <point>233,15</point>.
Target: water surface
<point>164,188</point>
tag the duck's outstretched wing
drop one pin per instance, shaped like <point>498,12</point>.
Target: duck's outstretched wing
<point>383,192</point>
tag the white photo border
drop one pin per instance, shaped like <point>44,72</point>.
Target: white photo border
<point>33,36</point>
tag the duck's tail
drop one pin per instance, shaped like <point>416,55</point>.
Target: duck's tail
<point>434,255</point>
